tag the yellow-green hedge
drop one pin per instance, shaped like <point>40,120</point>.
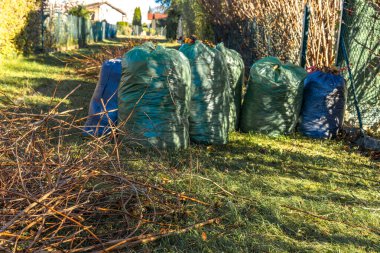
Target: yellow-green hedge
<point>15,17</point>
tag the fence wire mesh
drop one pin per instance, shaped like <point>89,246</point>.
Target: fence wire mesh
<point>259,28</point>
<point>361,31</point>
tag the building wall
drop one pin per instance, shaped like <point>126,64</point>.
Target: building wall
<point>95,14</point>
<point>109,14</point>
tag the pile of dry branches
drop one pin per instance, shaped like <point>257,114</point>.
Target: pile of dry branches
<point>280,26</point>
<point>61,195</point>
<point>89,64</point>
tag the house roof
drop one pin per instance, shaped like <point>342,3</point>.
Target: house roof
<point>156,16</point>
<point>100,3</point>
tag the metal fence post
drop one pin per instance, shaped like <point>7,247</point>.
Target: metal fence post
<point>42,25</point>
<point>305,35</point>
<point>338,53</point>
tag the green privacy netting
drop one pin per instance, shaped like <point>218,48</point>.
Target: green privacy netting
<point>209,109</point>
<point>154,96</point>
<point>235,66</point>
<point>274,97</point>
<point>361,30</point>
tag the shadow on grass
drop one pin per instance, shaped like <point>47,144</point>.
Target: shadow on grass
<point>307,232</point>
<point>271,177</point>
<point>121,39</point>
<point>49,59</point>
<point>39,82</point>
<point>263,230</point>
<point>252,157</point>
<point>78,99</point>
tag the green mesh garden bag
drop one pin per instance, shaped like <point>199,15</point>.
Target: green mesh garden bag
<point>154,97</point>
<point>209,110</point>
<point>235,67</point>
<point>273,100</point>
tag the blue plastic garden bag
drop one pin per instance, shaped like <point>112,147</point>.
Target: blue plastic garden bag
<point>104,97</point>
<point>324,104</point>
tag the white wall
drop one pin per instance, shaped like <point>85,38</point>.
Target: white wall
<point>127,6</point>
<point>109,14</point>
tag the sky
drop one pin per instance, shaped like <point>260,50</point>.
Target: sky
<point>127,5</point>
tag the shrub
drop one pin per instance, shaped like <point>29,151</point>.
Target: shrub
<point>172,23</point>
<point>80,11</point>
<point>153,32</point>
<point>122,24</point>
<point>123,28</point>
<point>137,17</point>
<point>16,20</point>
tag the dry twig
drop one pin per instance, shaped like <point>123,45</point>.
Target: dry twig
<point>60,195</point>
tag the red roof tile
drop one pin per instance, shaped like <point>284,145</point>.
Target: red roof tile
<point>157,16</point>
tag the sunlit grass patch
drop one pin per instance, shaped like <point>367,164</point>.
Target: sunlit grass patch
<point>37,81</point>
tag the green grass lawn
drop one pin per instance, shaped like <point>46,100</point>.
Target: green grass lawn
<point>275,194</point>
<point>288,194</point>
<point>34,82</point>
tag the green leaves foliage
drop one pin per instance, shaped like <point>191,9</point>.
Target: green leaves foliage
<point>137,17</point>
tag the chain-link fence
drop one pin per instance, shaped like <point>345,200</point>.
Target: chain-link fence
<point>361,31</point>
<point>275,28</point>
<point>62,31</point>
<point>145,31</point>
<point>268,27</point>
<point>161,31</point>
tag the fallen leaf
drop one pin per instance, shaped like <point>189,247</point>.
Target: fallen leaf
<point>204,236</point>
